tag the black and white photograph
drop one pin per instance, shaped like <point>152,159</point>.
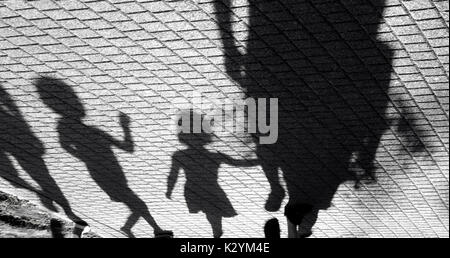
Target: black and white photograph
<point>213,120</point>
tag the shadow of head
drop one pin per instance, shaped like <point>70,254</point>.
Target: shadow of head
<point>60,97</point>
<point>194,129</point>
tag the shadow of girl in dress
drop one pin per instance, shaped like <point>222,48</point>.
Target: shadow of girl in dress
<point>201,167</point>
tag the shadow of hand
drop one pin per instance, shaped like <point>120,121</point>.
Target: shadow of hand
<point>124,120</point>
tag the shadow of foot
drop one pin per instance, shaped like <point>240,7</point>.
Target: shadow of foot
<point>127,232</point>
<point>275,199</point>
<point>163,234</point>
<point>218,234</point>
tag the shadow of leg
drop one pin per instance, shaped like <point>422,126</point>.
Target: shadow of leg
<point>216,224</point>
<point>139,209</point>
<point>37,169</point>
<point>131,221</point>
<point>10,174</point>
<point>277,193</point>
<point>305,228</point>
<point>51,192</point>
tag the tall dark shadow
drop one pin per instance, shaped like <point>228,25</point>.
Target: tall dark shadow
<point>201,167</point>
<point>17,141</point>
<point>331,76</point>
<point>94,147</point>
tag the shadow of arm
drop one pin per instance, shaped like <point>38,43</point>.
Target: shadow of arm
<point>173,177</point>
<point>224,19</point>
<point>127,144</point>
<point>240,162</point>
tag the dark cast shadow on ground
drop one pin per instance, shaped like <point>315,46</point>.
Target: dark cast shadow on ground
<point>18,142</point>
<point>331,76</point>
<point>94,147</point>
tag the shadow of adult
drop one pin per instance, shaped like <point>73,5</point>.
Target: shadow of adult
<point>17,141</point>
<point>94,147</point>
<point>201,167</point>
<point>330,74</point>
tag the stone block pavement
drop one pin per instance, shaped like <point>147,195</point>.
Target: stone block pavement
<point>144,58</point>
